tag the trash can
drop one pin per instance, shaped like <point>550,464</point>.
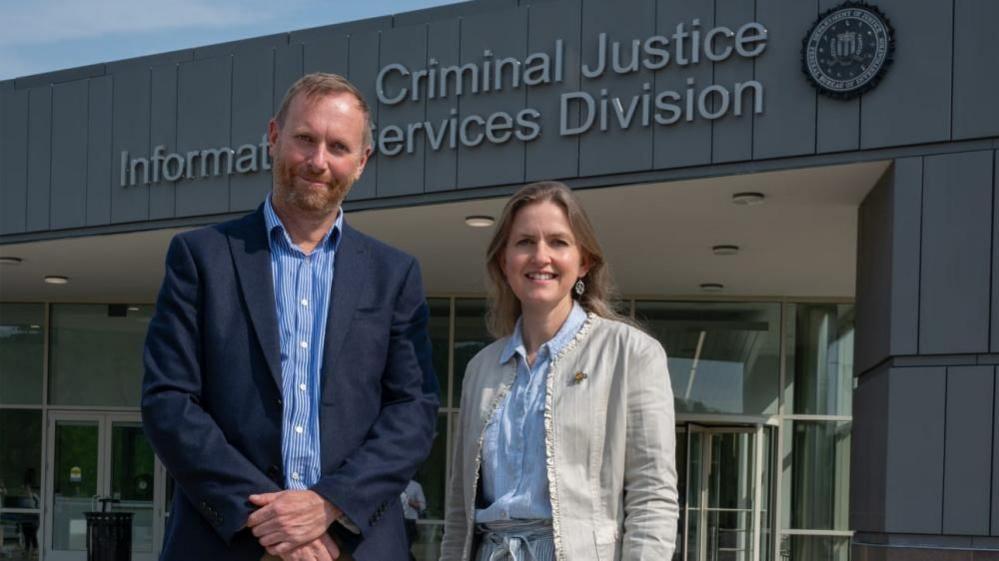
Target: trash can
<point>109,534</point>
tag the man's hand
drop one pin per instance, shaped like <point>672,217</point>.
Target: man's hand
<point>321,549</point>
<point>287,520</point>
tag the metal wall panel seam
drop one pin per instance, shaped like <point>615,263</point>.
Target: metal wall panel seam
<point>919,281</point>
<point>426,57</point>
<point>995,451</point>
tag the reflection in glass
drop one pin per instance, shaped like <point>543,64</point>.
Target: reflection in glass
<point>431,474</point>
<point>440,318</point>
<point>22,339</point>
<point>132,468</point>
<point>808,548</point>
<point>19,533</point>
<point>96,354</point>
<point>20,458</point>
<point>816,474</point>
<point>723,357</point>
<point>470,337</point>
<point>74,482</point>
<point>820,359</point>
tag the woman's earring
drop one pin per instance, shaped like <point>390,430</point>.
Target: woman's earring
<point>579,287</point>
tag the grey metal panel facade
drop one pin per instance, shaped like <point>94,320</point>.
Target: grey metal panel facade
<point>872,343</point>
<point>363,69</point>
<point>204,101</point>
<point>912,104</point>
<point>868,445</point>
<point>550,156</point>
<point>955,261</point>
<point>995,458</point>
<point>994,346</point>
<point>327,54</point>
<point>906,224</point>
<point>615,150</point>
<point>976,112</point>
<point>14,145</point>
<point>967,464</point>
<point>252,108</point>
<point>915,450</point>
<point>131,134</point>
<point>731,136</point>
<point>347,28</point>
<point>289,66</point>
<point>163,132</point>
<point>100,162</point>
<point>69,154</point>
<point>441,166</point>
<point>39,158</point>
<point>787,127</point>
<point>683,143</point>
<point>402,174</point>
<point>504,34</point>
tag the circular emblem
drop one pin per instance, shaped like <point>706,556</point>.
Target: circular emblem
<point>847,50</point>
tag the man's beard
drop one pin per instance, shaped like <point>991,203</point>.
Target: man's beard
<point>315,202</point>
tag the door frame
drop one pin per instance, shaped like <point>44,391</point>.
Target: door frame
<point>756,430</point>
<point>105,421</point>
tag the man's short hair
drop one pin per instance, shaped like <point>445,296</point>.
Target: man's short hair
<point>321,84</point>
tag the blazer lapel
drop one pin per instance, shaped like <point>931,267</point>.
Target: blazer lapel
<point>252,257</point>
<point>351,270</point>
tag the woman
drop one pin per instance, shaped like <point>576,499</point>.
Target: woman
<point>565,447</point>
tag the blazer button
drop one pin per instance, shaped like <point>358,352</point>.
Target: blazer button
<point>279,401</point>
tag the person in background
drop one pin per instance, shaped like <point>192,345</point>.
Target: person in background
<point>565,442</point>
<point>414,504</point>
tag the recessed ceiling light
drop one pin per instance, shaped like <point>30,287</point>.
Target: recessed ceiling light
<point>479,221</point>
<point>712,286</point>
<point>133,308</point>
<point>725,249</point>
<point>10,260</point>
<point>35,326</point>
<point>56,279</point>
<point>748,198</point>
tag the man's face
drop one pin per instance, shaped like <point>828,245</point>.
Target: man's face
<point>318,153</point>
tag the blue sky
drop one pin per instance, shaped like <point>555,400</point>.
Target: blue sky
<point>45,35</point>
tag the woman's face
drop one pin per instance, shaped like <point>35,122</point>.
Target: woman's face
<point>542,261</point>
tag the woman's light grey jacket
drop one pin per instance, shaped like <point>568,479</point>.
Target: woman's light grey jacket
<point>609,436</point>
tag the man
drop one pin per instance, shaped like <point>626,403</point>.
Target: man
<point>289,388</point>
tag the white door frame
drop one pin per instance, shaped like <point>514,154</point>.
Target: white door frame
<point>105,420</point>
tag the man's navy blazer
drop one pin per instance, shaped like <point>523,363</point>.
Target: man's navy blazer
<point>211,397</point>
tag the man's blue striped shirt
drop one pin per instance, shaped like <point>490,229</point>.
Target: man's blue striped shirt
<point>302,288</point>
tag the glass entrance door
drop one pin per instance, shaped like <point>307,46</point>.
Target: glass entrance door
<point>94,456</point>
<point>725,492</point>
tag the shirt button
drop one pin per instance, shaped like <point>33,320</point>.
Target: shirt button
<point>295,476</point>
<point>302,387</point>
<point>305,301</point>
<point>303,344</point>
<point>299,429</point>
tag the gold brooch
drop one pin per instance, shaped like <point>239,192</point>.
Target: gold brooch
<point>580,376</point>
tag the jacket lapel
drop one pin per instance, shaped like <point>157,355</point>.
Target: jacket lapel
<point>351,270</point>
<point>252,257</point>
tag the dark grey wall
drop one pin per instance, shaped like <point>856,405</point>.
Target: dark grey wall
<point>62,133</point>
<point>925,446</point>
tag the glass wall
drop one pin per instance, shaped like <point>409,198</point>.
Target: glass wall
<point>723,357</point>
<point>96,354</point>
<point>788,365</point>
<point>22,359</point>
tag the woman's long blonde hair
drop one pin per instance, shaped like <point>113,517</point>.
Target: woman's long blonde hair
<point>504,307</point>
